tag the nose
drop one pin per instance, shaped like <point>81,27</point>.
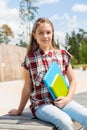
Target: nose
<point>45,35</point>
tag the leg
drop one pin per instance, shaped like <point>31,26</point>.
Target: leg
<point>77,112</point>
<point>52,114</point>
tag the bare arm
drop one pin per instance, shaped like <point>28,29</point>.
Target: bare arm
<point>72,82</point>
<point>24,96</point>
<point>62,101</point>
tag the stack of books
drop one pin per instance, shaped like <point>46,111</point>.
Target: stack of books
<point>55,81</point>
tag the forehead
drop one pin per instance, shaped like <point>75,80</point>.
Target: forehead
<point>44,26</point>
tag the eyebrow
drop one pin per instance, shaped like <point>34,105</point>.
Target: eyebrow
<point>43,30</point>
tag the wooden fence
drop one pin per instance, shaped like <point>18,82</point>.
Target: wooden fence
<point>11,57</point>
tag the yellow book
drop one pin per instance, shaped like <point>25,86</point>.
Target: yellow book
<point>58,86</point>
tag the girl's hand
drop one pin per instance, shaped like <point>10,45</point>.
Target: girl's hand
<point>61,101</point>
<point>14,112</point>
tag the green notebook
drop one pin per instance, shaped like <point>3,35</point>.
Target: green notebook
<point>58,86</point>
<point>55,81</point>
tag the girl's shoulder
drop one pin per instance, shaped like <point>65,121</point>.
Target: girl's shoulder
<point>66,53</point>
<point>31,54</point>
<point>63,52</point>
<point>34,53</point>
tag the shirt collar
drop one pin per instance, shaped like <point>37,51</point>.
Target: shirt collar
<point>49,53</point>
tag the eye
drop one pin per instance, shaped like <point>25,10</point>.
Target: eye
<point>48,32</point>
<point>40,33</point>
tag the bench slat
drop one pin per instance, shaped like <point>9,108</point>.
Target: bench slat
<point>27,122</point>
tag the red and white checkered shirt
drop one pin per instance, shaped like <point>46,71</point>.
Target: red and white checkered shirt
<point>37,63</point>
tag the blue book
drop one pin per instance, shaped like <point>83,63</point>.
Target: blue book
<point>53,77</point>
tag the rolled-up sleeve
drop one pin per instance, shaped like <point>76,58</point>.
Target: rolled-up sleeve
<point>26,63</point>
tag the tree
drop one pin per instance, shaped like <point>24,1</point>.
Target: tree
<point>7,30</point>
<point>83,53</point>
<point>1,36</point>
<point>27,12</point>
<point>22,43</point>
<point>57,43</point>
<point>73,44</point>
<point>83,47</point>
<point>76,44</point>
<point>5,33</point>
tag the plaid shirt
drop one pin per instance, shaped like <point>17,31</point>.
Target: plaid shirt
<point>37,63</point>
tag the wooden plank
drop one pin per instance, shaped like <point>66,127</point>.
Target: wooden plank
<point>24,127</point>
<point>16,123</point>
<point>23,122</point>
<point>27,122</point>
<point>77,126</point>
<point>81,98</point>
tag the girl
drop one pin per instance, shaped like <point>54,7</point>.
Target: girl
<point>41,53</point>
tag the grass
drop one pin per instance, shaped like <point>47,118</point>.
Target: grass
<point>77,66</point>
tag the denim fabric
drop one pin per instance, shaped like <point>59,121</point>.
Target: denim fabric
<point>62,118</point>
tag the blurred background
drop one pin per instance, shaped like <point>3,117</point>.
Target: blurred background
<point>16,21</point>
<point>11,58</point>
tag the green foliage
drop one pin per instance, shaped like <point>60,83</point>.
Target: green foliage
<point>57,43</point>
<point>76,44</point>
<point>5,34</point>
<point>74,61</point>
<point>28,9</point>
<point>22,44</point>
<point>83,53</point>
<point>27,12</point>
<point>1,38</point>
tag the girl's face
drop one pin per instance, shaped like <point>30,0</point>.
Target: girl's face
<point>43,36</point>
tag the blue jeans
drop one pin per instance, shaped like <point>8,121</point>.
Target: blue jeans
<point>62,118</point>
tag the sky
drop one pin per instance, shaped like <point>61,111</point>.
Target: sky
<point>66,15</point>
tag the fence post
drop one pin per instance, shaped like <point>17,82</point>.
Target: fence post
<point>2,71</point>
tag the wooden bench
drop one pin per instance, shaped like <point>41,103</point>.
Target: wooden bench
<point>84,67</point>
<point>27,122</point>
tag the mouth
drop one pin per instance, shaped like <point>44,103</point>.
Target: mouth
<point>45,41</point>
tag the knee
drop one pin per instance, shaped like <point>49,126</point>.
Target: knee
<point>65,124</point>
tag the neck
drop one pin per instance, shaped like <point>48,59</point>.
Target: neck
<point>46,49</point>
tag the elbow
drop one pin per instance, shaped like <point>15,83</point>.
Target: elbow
<point>73,82</point>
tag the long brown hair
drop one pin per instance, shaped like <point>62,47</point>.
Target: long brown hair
<point>33,44</point>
